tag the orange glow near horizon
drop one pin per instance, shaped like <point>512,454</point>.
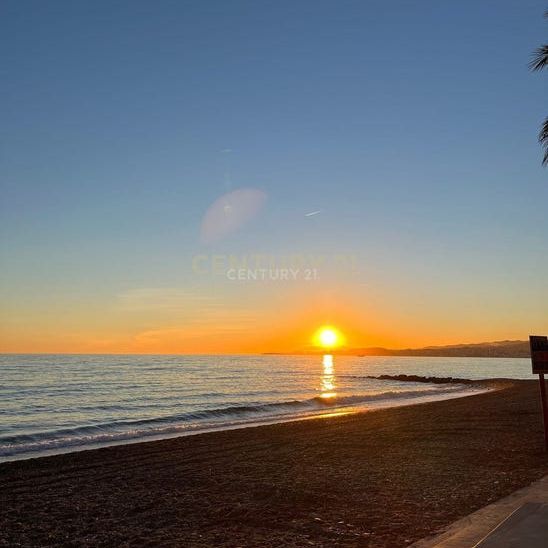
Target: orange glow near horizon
<point>173,321</point>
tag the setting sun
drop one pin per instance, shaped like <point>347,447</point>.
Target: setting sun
<point>328,337</point>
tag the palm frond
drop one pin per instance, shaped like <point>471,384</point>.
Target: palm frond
<point>543,140</point>
<point>540,58</point>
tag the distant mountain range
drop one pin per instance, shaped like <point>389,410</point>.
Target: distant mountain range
<point>497,349</point>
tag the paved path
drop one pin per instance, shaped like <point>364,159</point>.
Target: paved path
<point>517,521</point>
<point>527,527</point>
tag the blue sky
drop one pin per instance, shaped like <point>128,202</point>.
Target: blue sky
<point>410,125</point>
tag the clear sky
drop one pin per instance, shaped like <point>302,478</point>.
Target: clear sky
<point>390,146</point>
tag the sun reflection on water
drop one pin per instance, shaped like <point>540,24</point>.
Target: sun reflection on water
<point>327,379</point>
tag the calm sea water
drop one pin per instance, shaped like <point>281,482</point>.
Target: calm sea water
<point>57,403</point>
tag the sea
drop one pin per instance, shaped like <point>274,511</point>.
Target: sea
<point>61,403</point>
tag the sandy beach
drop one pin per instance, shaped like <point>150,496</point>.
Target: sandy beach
<point>384,478</point>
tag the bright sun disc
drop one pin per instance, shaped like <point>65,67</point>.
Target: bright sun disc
<point>328,337</point>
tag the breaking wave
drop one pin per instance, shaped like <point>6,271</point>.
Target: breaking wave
<point>108,433</point>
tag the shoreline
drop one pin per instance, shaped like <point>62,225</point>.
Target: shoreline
<point>387,478</point>
<point>469,388</point>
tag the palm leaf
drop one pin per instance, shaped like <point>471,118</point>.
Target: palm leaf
<point>543,140</point>
<point>540,58</point>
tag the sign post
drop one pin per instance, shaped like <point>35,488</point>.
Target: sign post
<point>539,359</point>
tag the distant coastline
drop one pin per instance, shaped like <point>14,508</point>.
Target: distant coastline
<point>496,349</point>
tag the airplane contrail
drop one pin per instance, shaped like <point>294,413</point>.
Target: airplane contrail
<point>312,213</point>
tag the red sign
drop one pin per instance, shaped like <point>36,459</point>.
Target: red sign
<point>539,353</point>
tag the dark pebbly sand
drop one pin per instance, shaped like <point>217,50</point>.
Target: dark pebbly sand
<point>384,478</point>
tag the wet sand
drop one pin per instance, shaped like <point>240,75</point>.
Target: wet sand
<point>384,478</point>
